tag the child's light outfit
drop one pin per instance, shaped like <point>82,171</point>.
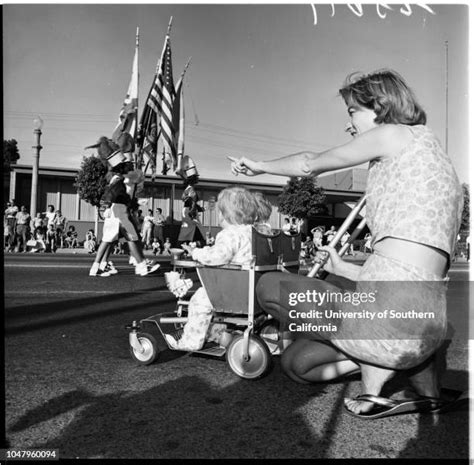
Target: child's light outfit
<point>155,246</point>
<point>233,246</point>
<point>167,248</point>
<point>90,243</point>
<point>40,243</point>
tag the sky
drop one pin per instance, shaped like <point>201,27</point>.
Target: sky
<point>263,80</point>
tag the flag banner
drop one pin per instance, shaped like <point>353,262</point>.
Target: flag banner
<point>127,121</point>
<point>161,100</point>
<point>178,124</point>
<point>156,122</point>
<point>148,136</point>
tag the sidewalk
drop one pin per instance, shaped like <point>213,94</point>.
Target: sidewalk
<point>82,251</point>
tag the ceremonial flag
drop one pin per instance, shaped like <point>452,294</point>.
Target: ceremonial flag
<point>157,116</point>
<point>148,135</point>
<point>178,124</point>
<point>127,121</point>
<point>161,101</point>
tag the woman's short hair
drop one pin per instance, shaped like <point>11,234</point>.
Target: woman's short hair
<point>387,94</point>
<point>237,205</point>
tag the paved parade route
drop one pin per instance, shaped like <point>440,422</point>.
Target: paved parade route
<point>72,385</point>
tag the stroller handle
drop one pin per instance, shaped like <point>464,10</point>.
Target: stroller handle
<point>344,227</point>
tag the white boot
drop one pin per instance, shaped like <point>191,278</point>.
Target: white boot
<point>94,269</point>
<point>144,268</point>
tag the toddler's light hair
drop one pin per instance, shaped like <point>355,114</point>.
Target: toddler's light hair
<point>263,206</point>
<point>387,94</point>
<point>237,205</point>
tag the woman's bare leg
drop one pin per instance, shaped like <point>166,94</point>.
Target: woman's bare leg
<point>308,361</point>
<point>425,377</point>
<point>136,251</point>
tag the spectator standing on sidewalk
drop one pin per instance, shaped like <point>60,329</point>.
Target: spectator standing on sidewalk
<point>317,233</point>
<point>22,229</point>
<point>60,222</point>
<point>37,222</point>
<point>345,237</point>
<point>159,224</point>
<point>23,220</point>
<point>329,234</point>
<point>50,215</point>
<point>51,237</point>
<point>368,243</point>
<point>147,229</point>
<point>9,225</point>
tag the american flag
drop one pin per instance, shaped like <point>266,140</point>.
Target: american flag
<point>157,119</point>
<point>161,101</point>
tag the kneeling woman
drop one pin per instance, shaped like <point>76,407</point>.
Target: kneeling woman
<point>414,203</point>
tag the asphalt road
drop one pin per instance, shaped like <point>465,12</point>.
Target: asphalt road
<point>72,385</point>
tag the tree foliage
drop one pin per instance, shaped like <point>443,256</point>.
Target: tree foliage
<point>465,211</point>
<point>10,154</point>
<point>302,198</point>
<point>91,180</point>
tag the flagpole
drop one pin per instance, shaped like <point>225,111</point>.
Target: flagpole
<point>446,96</point>
<point>185,68</point>
<point>138,163</point>
<point>137,42</point>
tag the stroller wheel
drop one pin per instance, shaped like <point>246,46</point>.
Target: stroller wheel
<point>149,350</point>
<point>259,357</point>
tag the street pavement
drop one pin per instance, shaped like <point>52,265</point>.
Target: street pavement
<point>71,384</point>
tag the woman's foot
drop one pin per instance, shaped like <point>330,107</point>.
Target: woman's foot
<point>373,379</point>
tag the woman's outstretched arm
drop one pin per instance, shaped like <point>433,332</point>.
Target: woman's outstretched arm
<point>376,143</point>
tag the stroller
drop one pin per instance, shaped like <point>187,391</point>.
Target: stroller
<point>251,336</point>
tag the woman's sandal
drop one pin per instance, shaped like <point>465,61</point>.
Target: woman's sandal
<point>450,400</point>
<point>384,407</point>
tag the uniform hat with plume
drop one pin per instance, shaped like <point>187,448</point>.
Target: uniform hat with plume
<point>104,146</point>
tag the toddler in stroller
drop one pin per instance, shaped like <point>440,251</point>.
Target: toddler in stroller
<point>233,245</point>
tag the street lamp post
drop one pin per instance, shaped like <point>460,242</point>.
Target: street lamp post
<point>38,125</point>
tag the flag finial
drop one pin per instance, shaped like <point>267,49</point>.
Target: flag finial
<point>169,26</point>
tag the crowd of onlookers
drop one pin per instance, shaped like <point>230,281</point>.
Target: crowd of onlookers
<point>49,231</point>
<point>320,237</point>
<point>46,232</point>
